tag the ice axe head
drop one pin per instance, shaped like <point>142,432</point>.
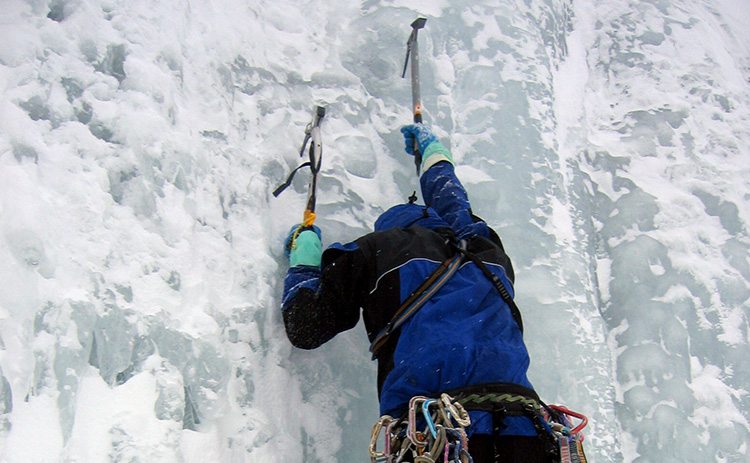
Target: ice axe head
<point>416,25</point>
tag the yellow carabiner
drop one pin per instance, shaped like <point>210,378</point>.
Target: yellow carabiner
<point>307,221</point>
<point>309,218</point>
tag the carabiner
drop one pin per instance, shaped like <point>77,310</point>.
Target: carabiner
<point>375,434</point>
<point>428,416</point>
<point>411,428</point>
<point>457,410</point>
<point>568,412</point>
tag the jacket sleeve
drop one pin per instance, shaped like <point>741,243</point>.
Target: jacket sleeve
<point>320,303</point>
<point>443,192</point>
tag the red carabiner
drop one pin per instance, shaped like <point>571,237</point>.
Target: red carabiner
<point>567,411</point>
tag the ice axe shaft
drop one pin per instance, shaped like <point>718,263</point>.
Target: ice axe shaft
<point>316,152</point>
<point>412,50</point>
<point>312,132</point>
<point>312,135</point>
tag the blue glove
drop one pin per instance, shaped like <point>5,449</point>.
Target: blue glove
<point>306,249</point>
<point>431,149</point>
<point>422,133</point>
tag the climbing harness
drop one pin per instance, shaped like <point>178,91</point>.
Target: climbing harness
<point>433,283</point>
<point>312,132</point>
<point>418,298</point>
<point>442,437</point>
<point>496,281</point>
<point>563,440</point>
<point>444,420</point>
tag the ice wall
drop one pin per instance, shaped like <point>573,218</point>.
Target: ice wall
<point>663,142</point>
<point>140,260</point>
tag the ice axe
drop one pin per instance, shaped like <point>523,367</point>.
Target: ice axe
<point>412,49</point>
<point>312,132</point>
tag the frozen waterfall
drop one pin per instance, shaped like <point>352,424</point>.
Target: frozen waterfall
<point>608,143</point>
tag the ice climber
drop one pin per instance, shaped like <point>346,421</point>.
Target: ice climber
<point>464,338</point>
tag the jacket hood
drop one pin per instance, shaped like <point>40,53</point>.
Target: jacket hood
<point>406,215</point>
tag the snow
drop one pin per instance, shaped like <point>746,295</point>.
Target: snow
<point>140,248</point>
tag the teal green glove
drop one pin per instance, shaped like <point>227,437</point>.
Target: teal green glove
<point>306,249</point>
<point>435,153</point>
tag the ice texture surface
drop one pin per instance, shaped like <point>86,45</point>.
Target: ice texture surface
<point>608,143</point>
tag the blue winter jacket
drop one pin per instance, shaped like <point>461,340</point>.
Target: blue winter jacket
<point>464,335</point>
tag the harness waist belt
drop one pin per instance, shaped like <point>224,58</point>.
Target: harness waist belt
<point>514,399</point>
